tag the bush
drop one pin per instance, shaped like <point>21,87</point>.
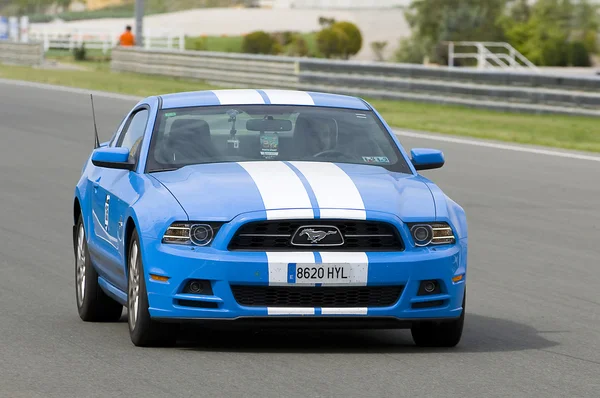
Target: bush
<point>412,51</point>
<point>284,38</point>
<point>198,44</point>
<point>354,41</point>
<point>579,55</point>
<point>298,47</point>
<point>331,42</point>
<point>80,53</point>
<point>260,43</point>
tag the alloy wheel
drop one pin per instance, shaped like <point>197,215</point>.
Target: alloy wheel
<point>80,266</point>
<point>134,286</point>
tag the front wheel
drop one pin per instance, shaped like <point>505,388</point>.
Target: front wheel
<point>93,304</point>
<point>440,334</point>
<point>142,329</point>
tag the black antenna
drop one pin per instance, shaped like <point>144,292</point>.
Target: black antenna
<point>97,141</point>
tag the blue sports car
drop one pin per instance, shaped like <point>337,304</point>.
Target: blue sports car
<point>266,208</point>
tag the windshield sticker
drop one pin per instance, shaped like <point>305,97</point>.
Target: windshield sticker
<point>170,114</point>
<point>269,145</point>
<point>233,143</point>
<point>376,159</point>
<point>361,116</point>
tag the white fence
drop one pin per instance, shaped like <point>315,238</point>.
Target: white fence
<point>104,40</point>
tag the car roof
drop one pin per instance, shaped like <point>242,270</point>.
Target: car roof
<point>260,97</point>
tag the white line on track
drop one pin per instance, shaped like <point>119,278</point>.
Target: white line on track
<point>434,137</point>
<point>494,145</point>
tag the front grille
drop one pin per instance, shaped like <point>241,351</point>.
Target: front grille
<point>332,297</point>
<point>277,236</point>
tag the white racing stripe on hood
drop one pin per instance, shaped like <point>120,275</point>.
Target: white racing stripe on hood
<point>336,193</point>
<point>284,97</point>
<point>237,97</point>
<point>280,189</point>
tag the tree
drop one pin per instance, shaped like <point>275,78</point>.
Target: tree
<point>553,32</point>
<point>435,21</point>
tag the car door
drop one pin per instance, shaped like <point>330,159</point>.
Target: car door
<point>112,194</point>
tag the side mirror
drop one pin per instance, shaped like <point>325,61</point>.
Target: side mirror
<point>112,158</point>
<point>426,159</point>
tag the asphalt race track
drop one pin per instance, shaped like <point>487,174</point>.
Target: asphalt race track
<point>532,326</point>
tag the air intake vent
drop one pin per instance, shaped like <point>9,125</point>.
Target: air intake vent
<point>333,297</point>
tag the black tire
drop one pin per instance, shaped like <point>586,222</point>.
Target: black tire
<point>440,334</point>
<point>93,304</point>
<point>144,332</point>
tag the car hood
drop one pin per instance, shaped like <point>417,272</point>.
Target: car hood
<point>222,191</point>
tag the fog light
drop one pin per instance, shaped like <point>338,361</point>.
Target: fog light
<point>429,286</point>
<point>198,286</point>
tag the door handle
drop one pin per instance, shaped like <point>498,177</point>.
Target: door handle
<point>96,184</point>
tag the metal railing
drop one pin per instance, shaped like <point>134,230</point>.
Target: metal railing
<point>496,89</point>
<point>104,40</point>
<point>487,59</point>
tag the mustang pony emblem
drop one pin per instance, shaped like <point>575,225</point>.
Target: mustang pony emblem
<point>316,236</point>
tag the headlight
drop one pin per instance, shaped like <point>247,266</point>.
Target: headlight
<point>425,234</point>
<point>185,233</point>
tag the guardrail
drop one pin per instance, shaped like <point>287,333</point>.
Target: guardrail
<point>499,90</point>
<point>30,54</point>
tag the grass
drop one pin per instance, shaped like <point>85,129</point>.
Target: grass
<point>99,77</point>
<point>570,132</point>
<point>559,131</point>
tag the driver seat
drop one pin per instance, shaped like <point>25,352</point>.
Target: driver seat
<point>313,134</point>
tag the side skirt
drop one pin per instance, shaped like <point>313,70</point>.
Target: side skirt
<point>112,291</point>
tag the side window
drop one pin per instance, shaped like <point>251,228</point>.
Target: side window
<point>113,140</point>
<point>134,133</point>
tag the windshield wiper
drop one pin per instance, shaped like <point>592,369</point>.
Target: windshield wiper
<point>165,169</point>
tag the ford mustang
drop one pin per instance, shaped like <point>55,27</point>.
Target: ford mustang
<point>266,207</point>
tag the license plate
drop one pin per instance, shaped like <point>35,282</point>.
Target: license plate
<point>320,273</point>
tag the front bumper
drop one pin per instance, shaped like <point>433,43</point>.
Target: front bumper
<point>224,269</point>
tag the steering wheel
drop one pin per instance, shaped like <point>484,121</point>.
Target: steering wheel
<point>330,152</point>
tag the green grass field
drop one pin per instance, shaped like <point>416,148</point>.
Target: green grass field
<point>570,132</point>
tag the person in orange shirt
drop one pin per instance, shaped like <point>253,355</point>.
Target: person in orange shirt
<point>127,39</point>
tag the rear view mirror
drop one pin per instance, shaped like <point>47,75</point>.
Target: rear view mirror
<point>112,158</point>
<point>426,159</point>
<point>268,125</point>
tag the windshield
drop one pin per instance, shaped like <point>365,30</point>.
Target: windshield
<point>189,136</point>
